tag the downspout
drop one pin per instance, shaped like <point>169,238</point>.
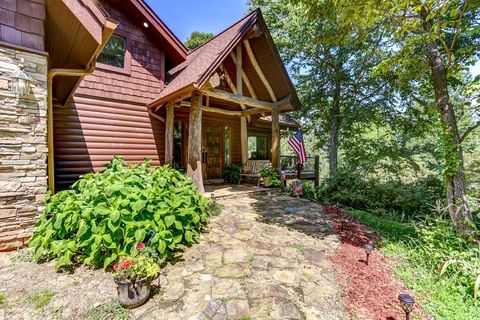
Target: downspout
<point>52,73</point>
<point>156,116</point>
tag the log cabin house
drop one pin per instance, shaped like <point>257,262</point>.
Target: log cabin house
<point>84,80</point>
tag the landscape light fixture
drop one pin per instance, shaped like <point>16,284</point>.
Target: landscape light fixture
<point>212,196</point>
<point>407,303</point>
<point>21,81</point>
<point>368,250</point>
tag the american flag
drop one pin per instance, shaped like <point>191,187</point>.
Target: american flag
<point>296,142</point>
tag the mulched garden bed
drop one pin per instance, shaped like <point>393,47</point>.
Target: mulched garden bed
<point>370,291</point>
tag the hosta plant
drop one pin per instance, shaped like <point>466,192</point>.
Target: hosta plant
<point>104,215</point>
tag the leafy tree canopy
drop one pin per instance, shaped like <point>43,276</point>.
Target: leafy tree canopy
<point>197,38</point>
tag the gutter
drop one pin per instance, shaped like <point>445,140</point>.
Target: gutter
<point>51,74</point>
<point>156,116</point>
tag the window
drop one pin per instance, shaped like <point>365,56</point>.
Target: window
<point>114,52</point>
<point>257,148</point>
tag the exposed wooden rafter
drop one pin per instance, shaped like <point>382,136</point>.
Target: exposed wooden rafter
<point>214,110</point>
<point>259,71</point>
<point>244,77</point>
<point>224,95</point>
<point>230,83</point>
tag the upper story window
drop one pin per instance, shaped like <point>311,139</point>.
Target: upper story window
<point>114,52</point>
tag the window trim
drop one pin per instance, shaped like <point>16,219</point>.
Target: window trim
<point>128,57</point>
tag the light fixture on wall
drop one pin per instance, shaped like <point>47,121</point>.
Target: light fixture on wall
<point>145,24</point>
<point>21,82</point>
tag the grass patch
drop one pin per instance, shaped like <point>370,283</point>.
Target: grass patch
<point>3,299</point>
<point>40,299</point>
<point>421,248</point>
<point>298,246</point>
<point>108,310</point>
<point>245,317</point>
<point>23,255</point>
<point>215,209</point>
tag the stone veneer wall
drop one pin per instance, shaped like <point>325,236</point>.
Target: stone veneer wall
<point>23,148</point>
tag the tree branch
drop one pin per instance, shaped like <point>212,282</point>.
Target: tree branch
<point>457,29</point>
<point>469,130</point>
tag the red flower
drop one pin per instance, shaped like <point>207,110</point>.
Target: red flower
<point>115,267</point>
<point>140,246</point>
<point>127,264</point>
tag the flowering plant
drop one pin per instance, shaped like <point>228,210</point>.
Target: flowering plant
<point>142,263</point>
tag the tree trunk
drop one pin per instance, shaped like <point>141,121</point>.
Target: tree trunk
<point>334,126</point>
<point>455,174</point>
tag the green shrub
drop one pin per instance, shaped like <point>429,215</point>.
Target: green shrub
<point>104,215</point>
<point>232,174</point>
<point>352,189</point>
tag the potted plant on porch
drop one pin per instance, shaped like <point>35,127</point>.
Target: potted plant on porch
<point>270,176</point>
<point>133,275</point>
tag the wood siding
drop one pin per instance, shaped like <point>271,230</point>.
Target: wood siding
<point>145,79</point>
<point>89,132</point>
<point>21,23</point>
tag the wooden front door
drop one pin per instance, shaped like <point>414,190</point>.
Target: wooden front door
<point>212,146</point>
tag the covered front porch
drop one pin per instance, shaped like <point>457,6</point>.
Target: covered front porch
<point>231,90</point>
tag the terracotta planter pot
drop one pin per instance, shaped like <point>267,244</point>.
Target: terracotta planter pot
<point>132,295</point>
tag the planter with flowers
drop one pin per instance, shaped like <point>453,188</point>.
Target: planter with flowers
<point>270,176</point>
<point>133,275</point>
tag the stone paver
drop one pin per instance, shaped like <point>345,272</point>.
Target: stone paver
<point>263,257</point>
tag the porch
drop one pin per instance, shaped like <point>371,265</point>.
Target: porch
<point>231,90</point>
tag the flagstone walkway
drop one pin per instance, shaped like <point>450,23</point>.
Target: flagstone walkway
<point>263,257</point>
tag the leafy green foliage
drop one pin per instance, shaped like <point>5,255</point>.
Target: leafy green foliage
<point>271,175</point>
<point>105,215</point>
<point>353,189</point>
<point>268,171</point>
<point>232,174</point>
<point>197,39</point>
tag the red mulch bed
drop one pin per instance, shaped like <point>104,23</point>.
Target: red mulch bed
<point>370,292</point>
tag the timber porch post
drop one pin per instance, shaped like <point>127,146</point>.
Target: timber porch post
<point>244,141</point>
<point>169,134</point>
<point>194,169</point>
<point>275,138</point>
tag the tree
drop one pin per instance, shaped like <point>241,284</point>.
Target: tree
<point>434,39</point>
<point>332,71</point>
<point>197,38</point>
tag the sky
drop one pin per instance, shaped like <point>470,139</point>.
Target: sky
<point>185,16</point>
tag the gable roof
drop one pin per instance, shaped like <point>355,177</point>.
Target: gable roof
<point>204,60</point>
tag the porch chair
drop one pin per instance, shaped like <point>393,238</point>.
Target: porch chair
<point>252,169</point>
